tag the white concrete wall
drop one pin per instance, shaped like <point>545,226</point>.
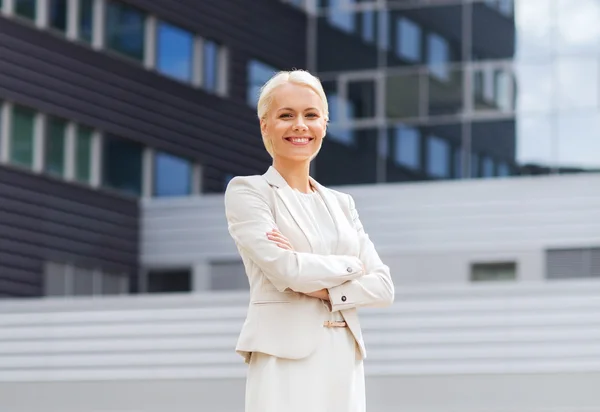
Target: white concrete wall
<point>528,347</point>
<point>426,232</point>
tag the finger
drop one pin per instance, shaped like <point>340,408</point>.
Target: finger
<point>279,238</point>
<point>283,246</point>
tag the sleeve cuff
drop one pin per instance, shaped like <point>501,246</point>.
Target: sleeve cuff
<point>338,299</point>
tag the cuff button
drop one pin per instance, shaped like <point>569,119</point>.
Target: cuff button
<point>349,270</point>
<point>343,298</point>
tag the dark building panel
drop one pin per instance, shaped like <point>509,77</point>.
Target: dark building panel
<point>43,219</point>
<point>120,97</point>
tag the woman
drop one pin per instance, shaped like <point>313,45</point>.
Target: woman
<point>309,263</point>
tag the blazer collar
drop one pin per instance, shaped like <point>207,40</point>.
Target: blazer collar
<point>286,194</point>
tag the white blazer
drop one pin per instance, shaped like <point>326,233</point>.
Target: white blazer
<point>282,321</point>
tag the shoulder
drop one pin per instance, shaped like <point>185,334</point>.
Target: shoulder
<point>255,185</point>
<point>245,182</point>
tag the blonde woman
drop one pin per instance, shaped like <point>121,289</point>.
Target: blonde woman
<point>309,262</point>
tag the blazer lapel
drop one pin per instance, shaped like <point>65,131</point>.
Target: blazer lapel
<point>287,196</point>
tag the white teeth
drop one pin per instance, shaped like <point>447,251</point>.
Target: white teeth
<point>300,140</point>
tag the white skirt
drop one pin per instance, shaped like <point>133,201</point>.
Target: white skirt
<point>330,380</point>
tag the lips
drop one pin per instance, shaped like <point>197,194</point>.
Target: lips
<point>299,140</point>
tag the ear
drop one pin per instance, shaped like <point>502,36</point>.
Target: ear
<point>263,126</point>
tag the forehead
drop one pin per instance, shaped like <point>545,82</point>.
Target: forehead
<point>295,96</point>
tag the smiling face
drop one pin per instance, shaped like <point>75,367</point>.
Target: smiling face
<point>295,123</point>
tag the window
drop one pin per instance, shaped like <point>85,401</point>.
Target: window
<point>438,154</point>
<point>122,165</point>
<point>26,9</point>
<point>83,154</point>
<point>361,96</point>
<point>125,30</point>
<point>172,175</point>
<point>488,167</point>
<point>169,281</point>
<point>408,39</point>
<point>210,67</point>
<point>22,136</point>
<point>573,263</point>
<point>493,271</point>
<point>474,165</point>
<point>58,15</point>
<point>458,163</point>
<point>407,147</point>
<point>503,169</point>
<point>368,26</point>
<point>341,134</point>
<point>65,279</point>
<point>175,48</point>
<point>258,74</point>
<point>228,275</point>
<point>341,15</point>
<point>438,56</point>
<point>85,20</point>
<point>54,161</point>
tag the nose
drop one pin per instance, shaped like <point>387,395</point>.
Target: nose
<point>299,126</point>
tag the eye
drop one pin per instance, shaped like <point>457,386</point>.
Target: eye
<point>285,115</point>
<point>312,115</point>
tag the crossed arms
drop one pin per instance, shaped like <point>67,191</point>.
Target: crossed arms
<point>350,281</point>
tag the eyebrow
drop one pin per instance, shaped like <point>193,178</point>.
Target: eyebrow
<point>289,108</point>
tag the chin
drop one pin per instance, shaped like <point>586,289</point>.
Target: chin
<point>299,157</point>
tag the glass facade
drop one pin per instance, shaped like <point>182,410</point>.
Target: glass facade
<point>175,50</point>
<point>122,165</point>
<point>125,30</point>
<point>258,74</point>
<point>54,161</point>
<point>22,136</point>
<point>458,89</point>
<point>172,175</point>
<point>58,15</point>
<point>83,154</point>
<point>85,20</point>
<point>210,68</point>
<point>26,8</point>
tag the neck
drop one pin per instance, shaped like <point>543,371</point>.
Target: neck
<point>296,174</point>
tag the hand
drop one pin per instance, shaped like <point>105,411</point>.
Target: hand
<point>281,241</point>
<point>319,294</point>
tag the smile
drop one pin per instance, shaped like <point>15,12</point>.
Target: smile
<point>299,140</point>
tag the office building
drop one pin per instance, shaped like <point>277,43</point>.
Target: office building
<point>104,102</point>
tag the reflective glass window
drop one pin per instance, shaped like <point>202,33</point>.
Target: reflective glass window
<point>26,9</point>
<point>407,150</point>
<point>211,66</point>
<point>122,165</point>
<point>488,167</point>
<point>85,20</point>
<point>174,51</point>
<point>340,15</point>
<point>22,136</point>
<point>54,161</point>
<point>438,56</point>
<point>172,175</point>
<point>58,14</point>
<point>83,154</point>
<point>125,31</point>
<point>438,157</point>
<point>408,39</point>
<point>258,74</point>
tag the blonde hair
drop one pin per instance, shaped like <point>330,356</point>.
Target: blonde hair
<point>300,77</point>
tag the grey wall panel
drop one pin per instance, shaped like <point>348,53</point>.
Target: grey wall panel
<point>43,219</point>
<point>119,96</point>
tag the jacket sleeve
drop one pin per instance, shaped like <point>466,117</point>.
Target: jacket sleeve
<point>375,288</point>
<point>249,218</point>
